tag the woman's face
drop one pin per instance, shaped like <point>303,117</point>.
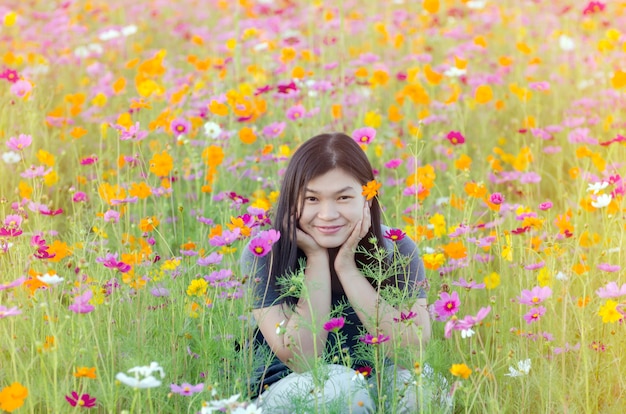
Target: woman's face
<point>333,205</point>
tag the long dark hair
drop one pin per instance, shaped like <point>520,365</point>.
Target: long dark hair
<point>313,158</point>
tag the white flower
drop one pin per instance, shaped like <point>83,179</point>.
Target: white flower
<point>142,377</point>
<point>280,328</point>
<point>212,130</point>
<point>11,157</point>
<point>596,187</point>
<point>475,4</point>
<point>219,405</point>
<point>566,43</point>
<point>129,30</point>
<point>602,200</point>
<point>453,72</point>
<point>467,333</point>
<point>523,368</point>
<point>49,279</point>
<point>250,409</point>
<point>561,276</point>
<point>109,35</point>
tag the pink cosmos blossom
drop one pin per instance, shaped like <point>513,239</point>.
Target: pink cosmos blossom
<point>17,282</point>
<point>296,112</point>
<point>180,126</point>
<point>566,348</point>
<point>447,305</point>
<point>468,285</point>
<point>611,290</point>
<point>535,295</point>
<point>274,129</point>
<point>81,400</point>
<point>186,389</point>
<point>227,237</point>
<point>133,132</point>
<point>534,314</point>
<point>594,7</point>
<point>468,322</point>
<point>546,205</point>
<point>607,267</point>
<point>6,312</point>
<point>10,75</point>
<point>334,325</point>
<point>81,303</point>
<point>111,216</point>
<point>393,164</point>
<point>496,198</point>
<point>405,316</point>
<point>364,135</point>
<point>263,242</point>
<point>455,138</point>
<point>79,196</point>
<point>110,261</point>
<point>21,88</point>
<point>20,142</point>
<point>374,340</point>
<point>213,258</point>
<point>89,160</point>
<point>33,172</point>
<point>535,266</point>
<point>394,235</point>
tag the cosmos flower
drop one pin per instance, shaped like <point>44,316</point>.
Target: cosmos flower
<point>374,340</point>
<point>364,135</point>
<point>455,138</point>
<point>534,314</point>
<point>534,296</point>
<point>447,305</point>
<point>19,143</point>
<point>394,235</point>
<point>81,400</point>
<point>81,303</point>
<point>142,376</point>
<point>186,389</point>
<point>334,325</point>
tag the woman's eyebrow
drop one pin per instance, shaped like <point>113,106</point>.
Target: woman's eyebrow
<point>343,190</point>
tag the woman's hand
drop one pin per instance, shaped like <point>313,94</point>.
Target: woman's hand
<point>308,245</point>
<point>345,257</point>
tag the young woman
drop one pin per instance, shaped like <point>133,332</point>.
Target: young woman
<point>326,225</point>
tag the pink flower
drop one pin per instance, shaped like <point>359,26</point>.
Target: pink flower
<point>274,129</point>
<point>546,205</point>
<point>110,261</point>
<point>10,75</point>
<point>180,126</point>
<point>468,285</point>
<point>334,325</point>
<point>447,305</point>
<point>364,135</point>
<point>79,196</point>
<point>89,160</point>
<point>21,88</point>
<point>394,163</point>
<point>394,235</point>
<point>404,317</point>
<point>466,323</point>
<point>594,7</point>
<point>263,242</point>
<point>455,138</point>
<point>82,400</point>
<point>135,133</point>
<point>496,198</point>
<point>4,311</point>
<point>213,258</point>
<point>186,389</point>
<point>535,266</point>
<point>81,303</point>
<point>534,314</point>
<point>611,290</point>
<point>535,295</point>
<point>33,172</point>
<point>296,112</point>
<point>374,340</point>
<point>17,282</point>
<point>227,237</point>
<point>20,142</point>
<point>111,215</point>
<point>607,267</point>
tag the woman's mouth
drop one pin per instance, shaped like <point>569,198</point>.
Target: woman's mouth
<point>328,229</point>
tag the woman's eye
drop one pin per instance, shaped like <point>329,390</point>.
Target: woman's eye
<point>345,198</point>
<point>310,199</point>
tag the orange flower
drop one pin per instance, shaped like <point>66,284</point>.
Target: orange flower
<point>460,370</point>
<point>161,164</point>
<point>477,190</point>
<point>213,155</point>
<point>12,397</point>
<point>455,250</point>
<point>370,190</point>
<point>59,249</point>
<point>84,372</point>
<point>247,135</point>
<point>483,94</point>
<point>141,190</point>
<point>148,223</point>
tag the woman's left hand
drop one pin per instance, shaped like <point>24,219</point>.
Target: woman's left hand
<point>345,256</point>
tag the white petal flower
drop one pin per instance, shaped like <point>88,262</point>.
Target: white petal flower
<point>596,187</point>
<point>467,333</point>
<point>602,200</point>
<point>212,130</point>
<point>523,368</point>
<point>49,279</point>
<point>11,157</point>
<point>135,382</point>
<point>566,43</point>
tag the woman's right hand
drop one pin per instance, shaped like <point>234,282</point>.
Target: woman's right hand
<point>308,245</point>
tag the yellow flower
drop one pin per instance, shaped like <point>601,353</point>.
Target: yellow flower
<point>460,370</point>
<point>492,281</point>
<point>12,397</point>
<point>609,312</point>
<point>197,287</point>
<point>85,372</point>
<point>370,190</point>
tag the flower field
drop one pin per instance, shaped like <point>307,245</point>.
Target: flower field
<point>142,149</point>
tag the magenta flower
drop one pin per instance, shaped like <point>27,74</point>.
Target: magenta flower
<point>468,285</point>
<point>227,237</point>
<point>110,261</point>
<point>159,290</point>
<point>89,160</point>
<point>180,126</point>
<point>466,323</point>
<point>334,325</point>
<point>374,340</point>
<point>296,112</point>
<point>534,296</point>
<point>81,400</point>
<point>79,196</point>
<point>594,7</point>
<point>5,312</point>
<point>135,133</point>
<point>274,129</point>
<point>263,242</point>
<point>81,303</point>
<point>404,317</point>
<point>186,389</point>
<point>393,164</point>
<point>10,75</point>
<point>17,282</point>
<point>496,198</point>
<point>213,258</point>
<point>20,142</point>
<point>111,215</point>
<point>546,205</point>
<point>611,290</point>
<point>534,314</point>
<point>394,235</point>
<point>447,305</point>
<point>455,138</point>
<point>364,135</point>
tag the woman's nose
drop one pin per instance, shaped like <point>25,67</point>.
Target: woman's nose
<point>328,211</point>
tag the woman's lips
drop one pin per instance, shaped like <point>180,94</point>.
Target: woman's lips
<point>328,229</point>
